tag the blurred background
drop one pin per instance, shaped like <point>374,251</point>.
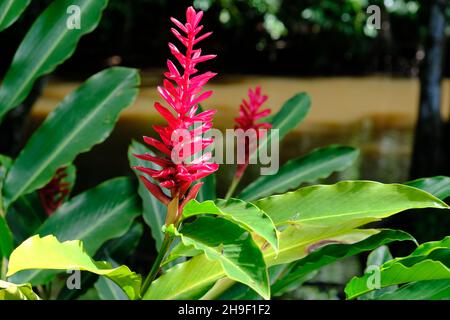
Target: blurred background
<point>385,91</point>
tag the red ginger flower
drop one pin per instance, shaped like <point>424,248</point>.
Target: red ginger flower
<point>55,192</point>
<point>182,91</point>
<point>249,114</point>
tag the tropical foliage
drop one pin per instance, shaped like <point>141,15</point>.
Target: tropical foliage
<point>260,243</point>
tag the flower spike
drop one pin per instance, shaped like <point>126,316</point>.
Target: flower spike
<point>182,90</point>
<point>249,114</point>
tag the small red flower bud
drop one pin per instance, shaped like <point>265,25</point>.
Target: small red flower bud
<point>55,192</point>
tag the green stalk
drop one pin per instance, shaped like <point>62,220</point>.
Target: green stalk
<point>173,217</point>
<point>157,264</point>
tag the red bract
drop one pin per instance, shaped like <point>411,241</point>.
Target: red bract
<point>249,114</point>
<point>182,91</point>
<point>55,192</point>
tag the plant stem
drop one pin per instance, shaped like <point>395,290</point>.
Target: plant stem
<point>173,217</point>
<point>157,264</point>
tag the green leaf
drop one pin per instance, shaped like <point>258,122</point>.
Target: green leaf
<point>375,259</point>
<point>329,215</point>
<point>181,251</point>
<point>233,247</point>
<point>290,115</point>
<point>49,253</point>
<point>11,291</point>
<point>318,164</point>
<point>438,186</point>
<point>6,237</point>
<point>84,118</point>
<point>186,280</point>
<point>154,212</point>
<point>430,261</point>
<point>41,52</point>
<point>296,242</point>
<point>336,223</point>
<point>333,252</point>
<point>208,189</point>
<point>422,290</point>
<point>121,248</point>
<point>230,290</point>
<point>94,217</point>
<point>117,249</point>
<point>10,11</point>
<point>346,201</point>
<point>379,256</point>
<point>245,214</point>
<point>178,284</point>
<point>107,289</point>
<point>25,216</point>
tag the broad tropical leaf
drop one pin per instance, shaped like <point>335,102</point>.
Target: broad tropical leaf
<point>318,164</point>
<point>375,259</point>
<point>11,291</point>
<point>94,217</point>
<point>245,214</point>
<point>333,252</point>
<point>154,212</point>
<point>226,242</point>
<point>438,186</point>
<point>346,201</point>
<point>208,190</point>
<point>430,261</point>
<point>25,216</point>
<point>107,289</point>
<point>27,213</point>
<point>6,237</point>
<point>120,249</point>
<point>41,52</point>
<point>336,225</point>
<point>10,11</point>
<point>187,280</point>
<point>117,249</point>
<point>84,118</point>
<point>49,253</point>
<point>422,290</point>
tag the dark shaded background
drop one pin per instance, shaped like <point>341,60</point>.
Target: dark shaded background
<point>289,37</point>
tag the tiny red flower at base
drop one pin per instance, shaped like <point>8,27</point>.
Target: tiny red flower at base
<point>182,91</point>
<point>55,192</point>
